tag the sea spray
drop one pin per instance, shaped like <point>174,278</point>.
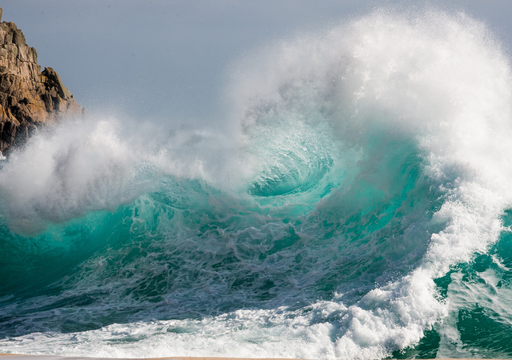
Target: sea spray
<point>344,216</point>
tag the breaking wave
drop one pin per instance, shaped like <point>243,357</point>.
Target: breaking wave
<point>356,208</point>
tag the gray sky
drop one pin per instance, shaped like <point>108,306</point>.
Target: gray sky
<point>168,59</point>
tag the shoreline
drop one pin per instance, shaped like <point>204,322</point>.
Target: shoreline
<point>157,358</point>
<point>57,357</point>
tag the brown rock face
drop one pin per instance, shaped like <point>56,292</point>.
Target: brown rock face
<point>29,98</point>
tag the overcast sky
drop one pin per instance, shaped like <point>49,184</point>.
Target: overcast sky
<point>168,59</point>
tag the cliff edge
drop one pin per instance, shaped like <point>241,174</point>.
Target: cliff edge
<point>29,99</point>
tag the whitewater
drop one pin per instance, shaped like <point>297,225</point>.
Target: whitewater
<point>354,203</point>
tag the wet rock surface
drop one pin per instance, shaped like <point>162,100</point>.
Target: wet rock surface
<point>29,99</point>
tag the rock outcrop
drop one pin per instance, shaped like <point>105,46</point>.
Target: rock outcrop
<point>29,99</point>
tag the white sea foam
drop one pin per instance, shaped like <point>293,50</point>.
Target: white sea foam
<point>78,167</point>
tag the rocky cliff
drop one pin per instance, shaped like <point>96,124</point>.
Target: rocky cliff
<point>29,99</point>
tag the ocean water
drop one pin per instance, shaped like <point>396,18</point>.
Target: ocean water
<point>355,203</point>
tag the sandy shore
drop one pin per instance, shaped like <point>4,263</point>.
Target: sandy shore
<point>52,357</point>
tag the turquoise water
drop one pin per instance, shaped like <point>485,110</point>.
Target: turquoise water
<point>354,204</point>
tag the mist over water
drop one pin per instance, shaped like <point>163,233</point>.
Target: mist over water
<point>357,207</point>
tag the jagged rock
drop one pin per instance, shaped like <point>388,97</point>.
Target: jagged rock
<point>29,99</point>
